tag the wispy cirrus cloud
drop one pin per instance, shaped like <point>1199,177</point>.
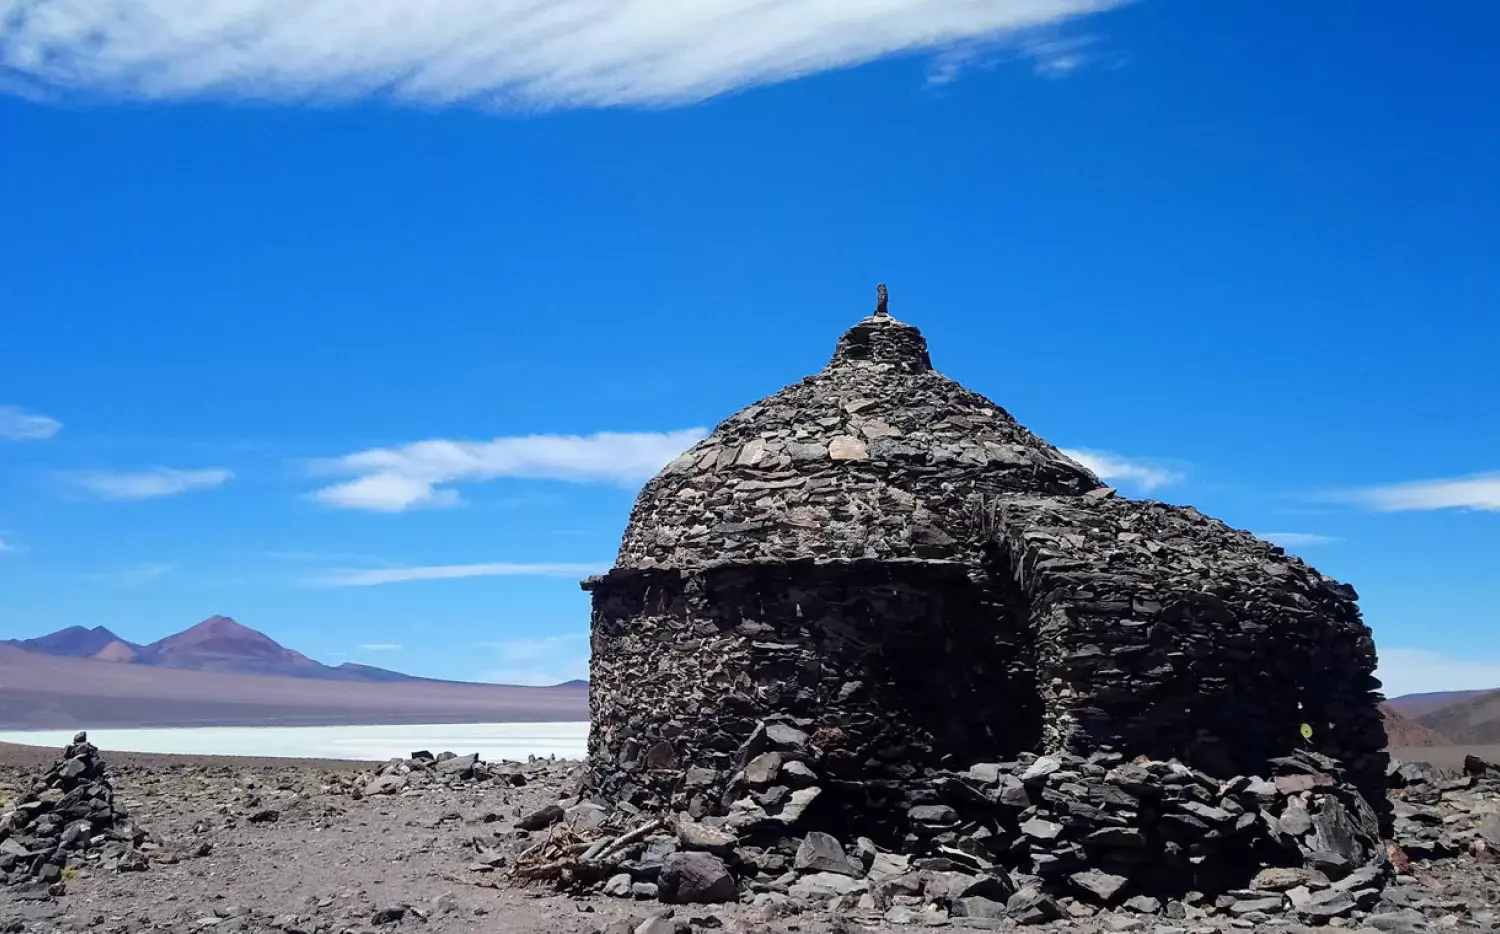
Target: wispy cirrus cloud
<point>134,576</point>
<point>372,577</point>
<point>506,53</point>
<point>17,424</point>
<point>1051,55</point>
<point>1116,468</point>
<point>148,484</point>
<point>413,475</point>
<point>1479,492</point>
<point>381,647</point>
<point>1297,539</point>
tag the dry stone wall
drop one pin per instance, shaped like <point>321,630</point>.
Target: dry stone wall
<point>1163,632</point>
<point>888,667</point>
<point>872,458</point>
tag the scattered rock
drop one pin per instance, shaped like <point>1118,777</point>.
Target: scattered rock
<point>388,915</point>
<point>619,886</point>
<point>695,836</point>
<point>1281,878</point>
<point>695,877</point>
<point>820,852</point>
<point>976,906</point>
<point>542,818</point>
<point>1100,886</point>
<point>1032,906</point>
<point>823,885</point>
<point>663,925</point>
<point>1142,904</point>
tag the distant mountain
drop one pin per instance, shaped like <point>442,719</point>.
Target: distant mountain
<point>1400,731</point>
<point>1420,705</point>
<point>1474,720</point>
<point>221,644</point>
<point>354,671</point>
<point>78,642</point>
<point>575,683</point>
<point>218,644</point>
<point>46,692</point>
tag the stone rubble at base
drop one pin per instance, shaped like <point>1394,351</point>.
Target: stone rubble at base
<point>1031,839</point>
<point>1310,829</point>
<point>1313,837</point>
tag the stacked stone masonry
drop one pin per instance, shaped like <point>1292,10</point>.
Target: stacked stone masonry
<point>895,564</point>
<point>69,818</point>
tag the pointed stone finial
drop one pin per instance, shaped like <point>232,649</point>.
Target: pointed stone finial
<point>882,301</point>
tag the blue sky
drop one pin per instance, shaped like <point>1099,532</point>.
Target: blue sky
<point>364,327</point>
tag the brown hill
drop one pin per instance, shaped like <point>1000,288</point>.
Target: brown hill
<point>1401,731</point>
<point>221,644</point>
<point>48,692</point>
<point>1420,705</point>
<point>1473,721</point>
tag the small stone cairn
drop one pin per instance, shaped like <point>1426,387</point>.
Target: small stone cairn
<point>69,819</point>
<point>1034,840</point>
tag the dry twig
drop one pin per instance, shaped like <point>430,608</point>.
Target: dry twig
<point>566,858</point>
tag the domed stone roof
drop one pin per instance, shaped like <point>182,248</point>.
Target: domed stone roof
<point>877,456</point>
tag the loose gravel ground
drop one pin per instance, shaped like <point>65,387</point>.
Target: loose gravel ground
<point>251,845</point>
<point>326,863</point>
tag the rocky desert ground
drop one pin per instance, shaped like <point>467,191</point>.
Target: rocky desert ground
<point>433,844</point>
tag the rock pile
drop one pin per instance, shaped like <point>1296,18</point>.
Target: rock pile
<point>1439,816</point>
<point>422,769</point>
<point>68,819</point>
<point>1032,840</point>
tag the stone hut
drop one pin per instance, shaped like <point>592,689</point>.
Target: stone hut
<point>881,573</point>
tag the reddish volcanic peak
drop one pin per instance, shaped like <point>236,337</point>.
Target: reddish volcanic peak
<point>215,627</point>
<point>218,644</point>
<point>220,636</point>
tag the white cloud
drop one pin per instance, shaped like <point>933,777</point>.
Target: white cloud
<point>508,53</point>
<point>1419,671</point>
<point>17,424</point>
<point>1115,468</point>
<point>544,660</point>
<point>1062,57</point>
<point>1479,491</point>
<point>4,546</point>
<point>136,576</point>
<point>1294,539</point>
<point>377,576</point>
<point>149,484</point>
<point>381,647</point>
<point>407,477</point>
<point>386,492</point>
<point>1052,55</point>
